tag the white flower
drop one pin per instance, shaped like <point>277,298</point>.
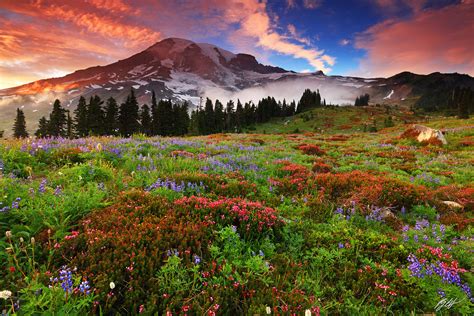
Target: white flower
<point>112,285</point>
<point>8,233</point>
<point>268,310</point>
<point>21,239</point>
<point>307,312</point>
<point>33,240</point>
<point>5,294</point>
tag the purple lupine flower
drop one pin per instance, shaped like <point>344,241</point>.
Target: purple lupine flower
<point>42,186</point>
<point>339,210</point>
<point>441,293</point>
<point>84,287</point>
<point>403,210</point>
<point>58,190</point>
<point>16,203</point>
<point>197,259</point>
<point>340,245</point>
<point>65,276</point>
<point>415,238</point>
<point>261,254</point>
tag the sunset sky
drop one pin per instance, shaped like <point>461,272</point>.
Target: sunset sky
<point>44,38</point>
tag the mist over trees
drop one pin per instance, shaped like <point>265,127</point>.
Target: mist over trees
<point>165,118</point>
<point>362,100</point>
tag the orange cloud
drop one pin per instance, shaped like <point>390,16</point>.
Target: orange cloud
<point>432,40</point>
<point>43,38</point>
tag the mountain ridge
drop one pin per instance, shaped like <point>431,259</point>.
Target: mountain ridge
<point>182,70</point>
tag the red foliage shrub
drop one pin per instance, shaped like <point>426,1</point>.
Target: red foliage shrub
<point>365,188</point>
<point>321,167</point>
<point>311,149</point>
<point>405,155</point>
<point>463,195</point>
<point>129,241</point>
<point>458,221</point>
<point>338,138</point>
<point>296,178</point>
<point>181,153</point>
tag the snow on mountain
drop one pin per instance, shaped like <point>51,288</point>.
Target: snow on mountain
<point>182,70</point>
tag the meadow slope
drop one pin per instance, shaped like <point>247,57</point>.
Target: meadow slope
<point>331,219</point>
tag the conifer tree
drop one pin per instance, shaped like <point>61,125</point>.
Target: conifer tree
<point>111,125</point>
<point>57,120</point>
<point>229,116</point>
<point>239,115</point>
<point>69,126</point>
<point>80,118</point>
<point>128,116</point>
<point>219,117</point>
<point>145,119</point>
<point>43,128</point>
<point>95,117</point>
<point>209,127</point>
<point>19,126</point>
<point>154,114</point>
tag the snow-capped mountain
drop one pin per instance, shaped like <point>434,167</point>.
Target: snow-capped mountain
<point>180,70</point>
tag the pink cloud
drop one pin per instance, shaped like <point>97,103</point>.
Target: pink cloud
<point>47,36</point>
<point>432,40</point>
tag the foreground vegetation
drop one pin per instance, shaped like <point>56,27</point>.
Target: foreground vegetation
<point>336,222</point>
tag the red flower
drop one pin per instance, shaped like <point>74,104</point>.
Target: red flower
<point>12,269</point>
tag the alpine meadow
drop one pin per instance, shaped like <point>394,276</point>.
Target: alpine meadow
<point>148,168</point>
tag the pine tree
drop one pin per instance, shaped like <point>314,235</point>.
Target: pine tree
<point>43,128</point>
<point>219,117</point>
<point>95,117</point>
<point>145,119</point>
<point>111,125</point>
<point>80,118</point>
<point>194,123</point>
<point>229,116</point>
<point>181,119</point>
<point>154,115</point>
<point>57,120</point>
<point>69,126</point>
<point>129,117</point>
<point>239,115</point>
<point>19,126</point>
<point>209,127</point>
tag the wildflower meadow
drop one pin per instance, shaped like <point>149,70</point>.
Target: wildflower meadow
<point>275,222</point>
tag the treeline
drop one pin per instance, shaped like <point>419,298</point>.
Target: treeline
<point>457,101</point>
<point>362,100</point>
<point>97,117</point>
<point>215,118</point>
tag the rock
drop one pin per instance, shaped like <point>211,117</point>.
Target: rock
<point>452,204</point>
<point>425,134</point>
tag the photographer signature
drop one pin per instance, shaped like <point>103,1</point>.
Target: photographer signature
<point>447,303</point>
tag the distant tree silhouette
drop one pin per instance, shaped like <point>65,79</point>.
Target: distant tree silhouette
<point>362,100</point>
<point>19,126</point>
<point>80,118</point>
<point>57,120</point>
<point>145,120</point>
<point>129,117</point>
<point>43,128</point>
<point>111,117</point>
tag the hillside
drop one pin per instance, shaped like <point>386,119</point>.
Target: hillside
<point>280,222</point>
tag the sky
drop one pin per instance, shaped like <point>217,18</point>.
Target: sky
<point>368,38</point>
